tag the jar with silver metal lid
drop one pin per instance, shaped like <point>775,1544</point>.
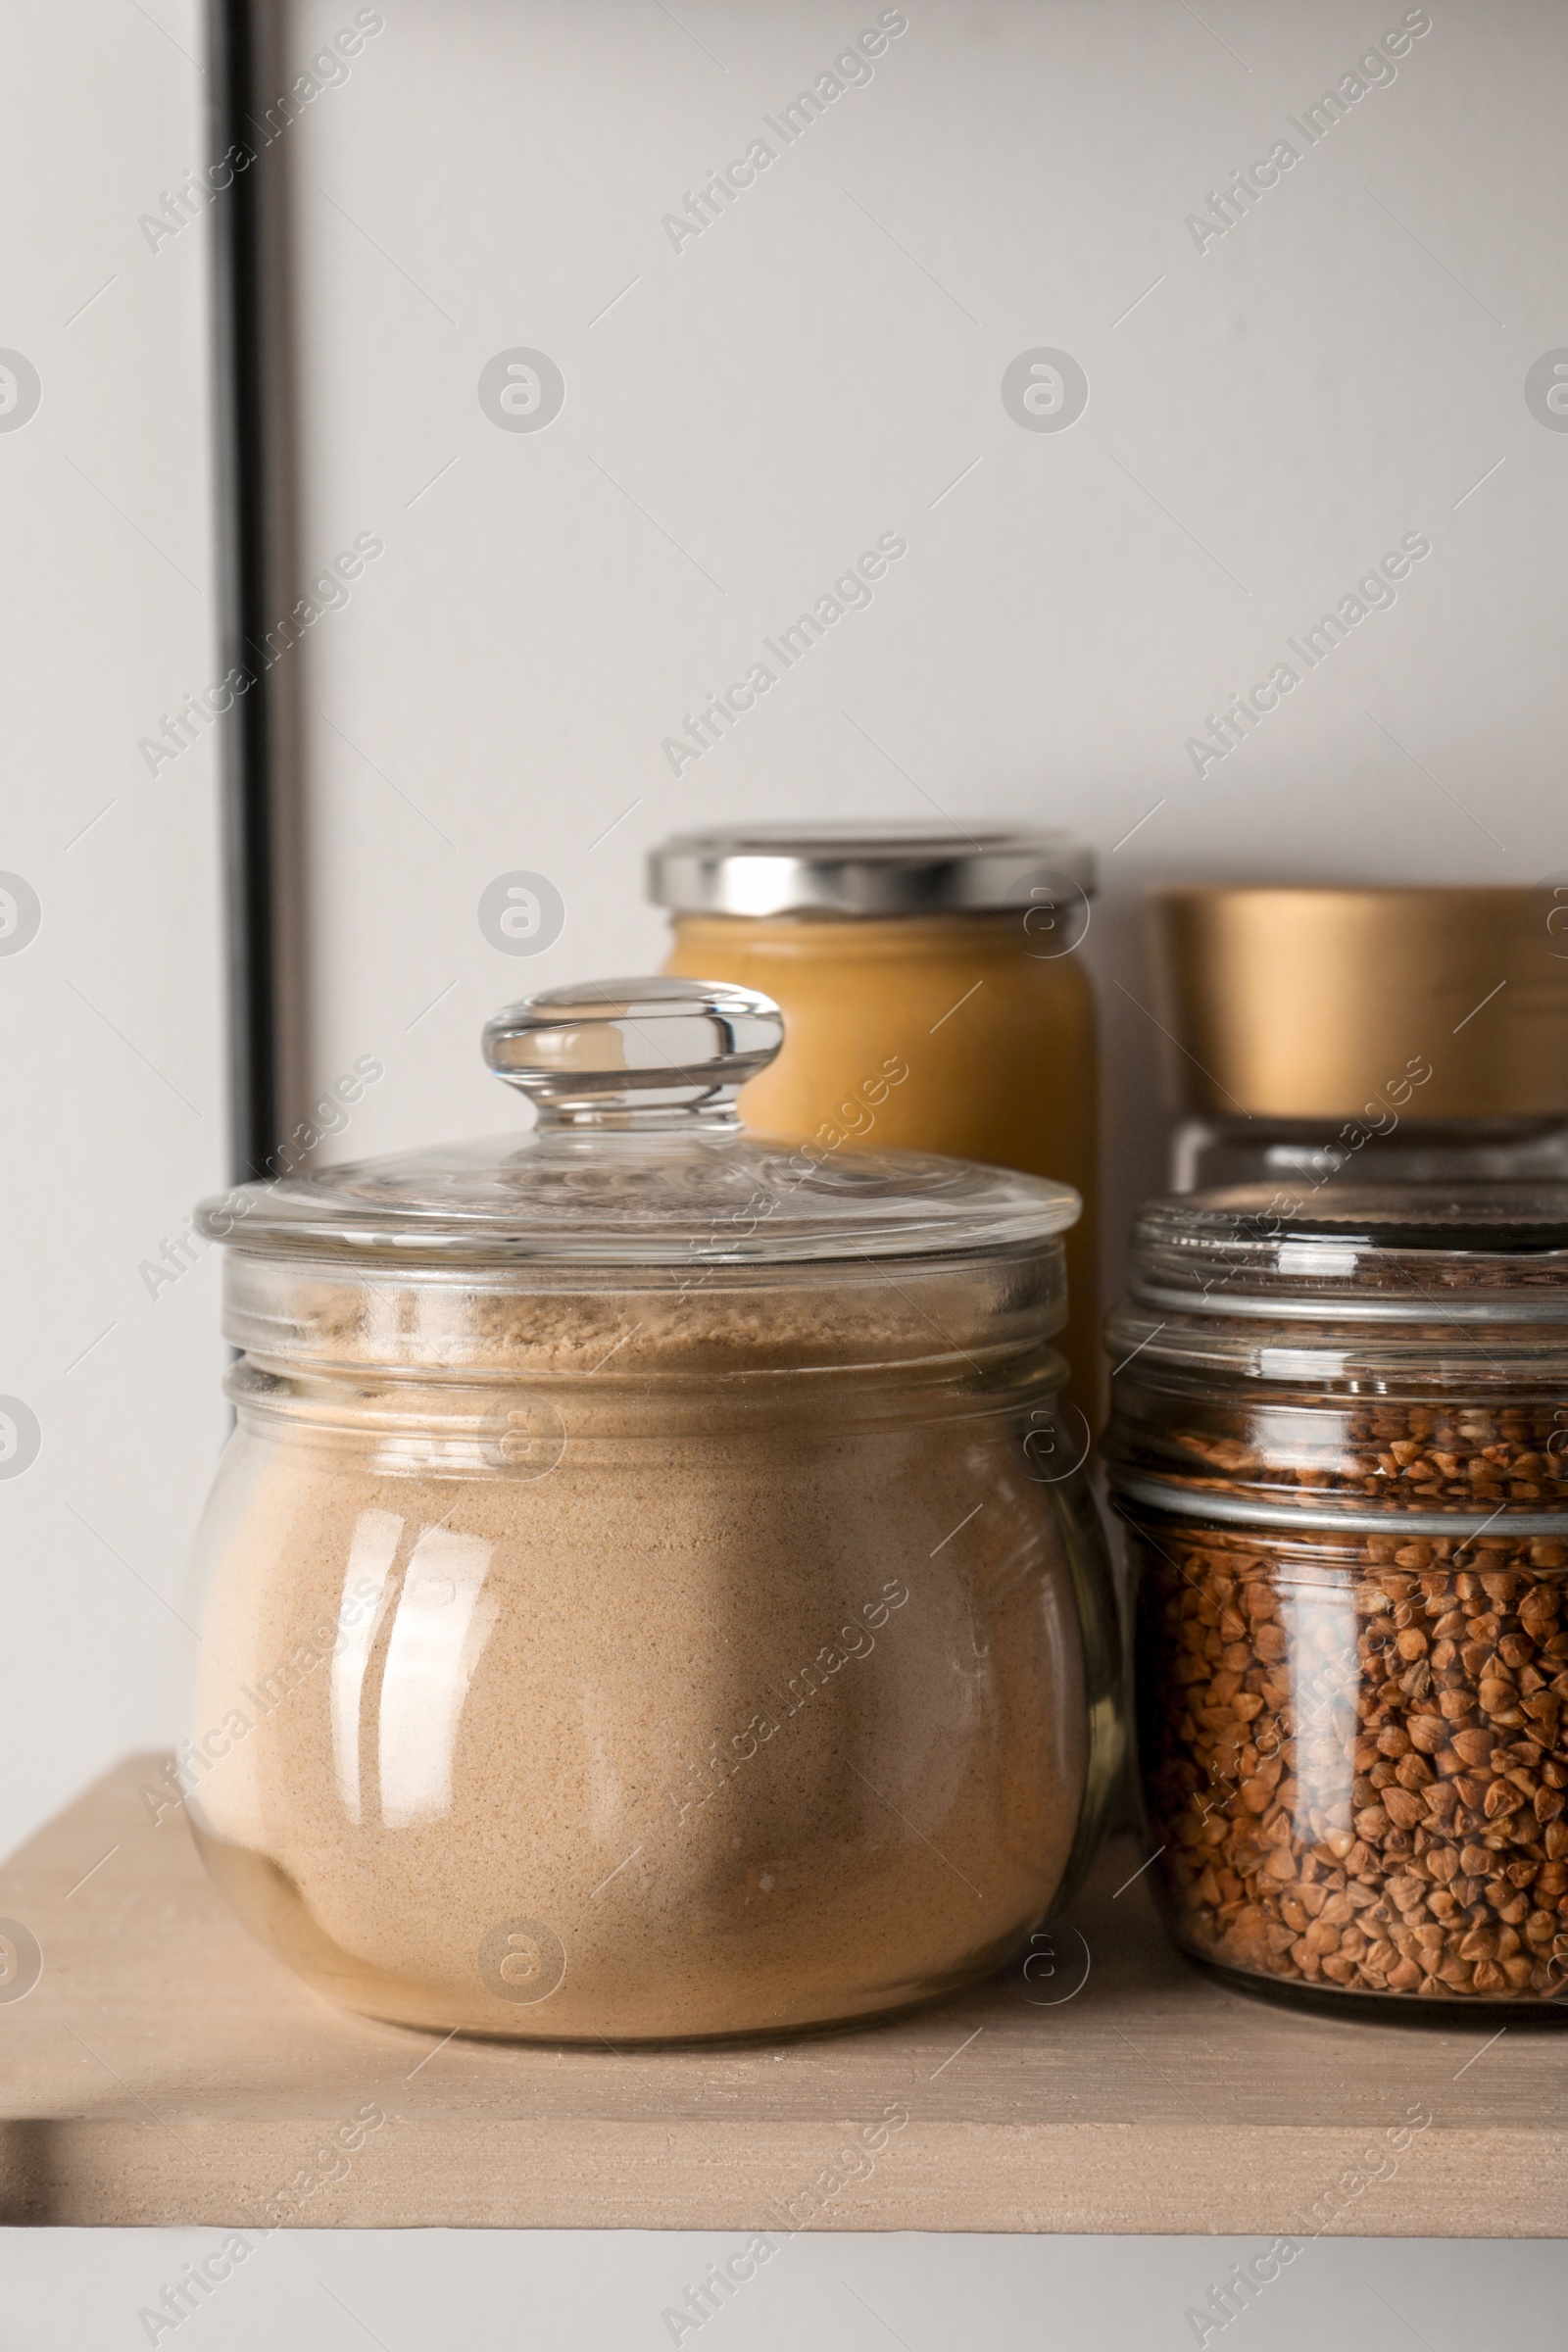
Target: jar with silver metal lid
<point>1340,1446</point>
<point>932,996</point>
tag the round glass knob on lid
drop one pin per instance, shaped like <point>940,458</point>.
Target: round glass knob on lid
<point>643,1053</point>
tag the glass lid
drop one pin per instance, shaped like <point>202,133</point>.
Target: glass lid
<point>638,1157</point>
<point>1479,1251</point>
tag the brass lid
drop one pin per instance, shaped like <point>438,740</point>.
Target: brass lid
<point>1307,1003</point>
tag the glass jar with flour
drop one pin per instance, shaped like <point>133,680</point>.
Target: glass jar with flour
<point>648,1593</point>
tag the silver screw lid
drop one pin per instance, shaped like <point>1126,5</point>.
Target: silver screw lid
<point>868,869</point>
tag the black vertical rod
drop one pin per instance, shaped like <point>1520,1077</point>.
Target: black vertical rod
<point>248,830</point>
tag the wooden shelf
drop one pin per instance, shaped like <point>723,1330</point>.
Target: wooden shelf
<point>165,2071</point>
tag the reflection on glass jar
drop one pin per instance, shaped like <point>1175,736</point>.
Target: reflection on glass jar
<point>1336,1457</point>
<point>603,1637</point>
<point>1336,1812</point>
<point>754,1727</point>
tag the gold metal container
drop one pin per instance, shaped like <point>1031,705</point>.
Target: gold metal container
<point>1419,1031</point>
<point>1302,1002</point>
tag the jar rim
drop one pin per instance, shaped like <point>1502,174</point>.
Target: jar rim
<point>1319,1512</point>
<point>1298,1346</point>
<point>457,1322</point>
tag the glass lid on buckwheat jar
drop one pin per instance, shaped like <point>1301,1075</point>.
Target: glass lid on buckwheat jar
<point>1370,1277</point>
<point>1365,1350</point>
<point>1460,1253</point>
<point>639,1187</point>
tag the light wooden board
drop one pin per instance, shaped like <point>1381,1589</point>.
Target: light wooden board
<point>164,2070</point>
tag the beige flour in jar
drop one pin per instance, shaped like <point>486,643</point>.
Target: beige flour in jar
<point>724,1726</point>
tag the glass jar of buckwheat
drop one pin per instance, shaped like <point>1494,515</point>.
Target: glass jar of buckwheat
<point>1340,1446</point>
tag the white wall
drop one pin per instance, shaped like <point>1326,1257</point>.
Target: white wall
<point>820,365</point>
<point>1278,413</point>
<point>109,1016</point>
